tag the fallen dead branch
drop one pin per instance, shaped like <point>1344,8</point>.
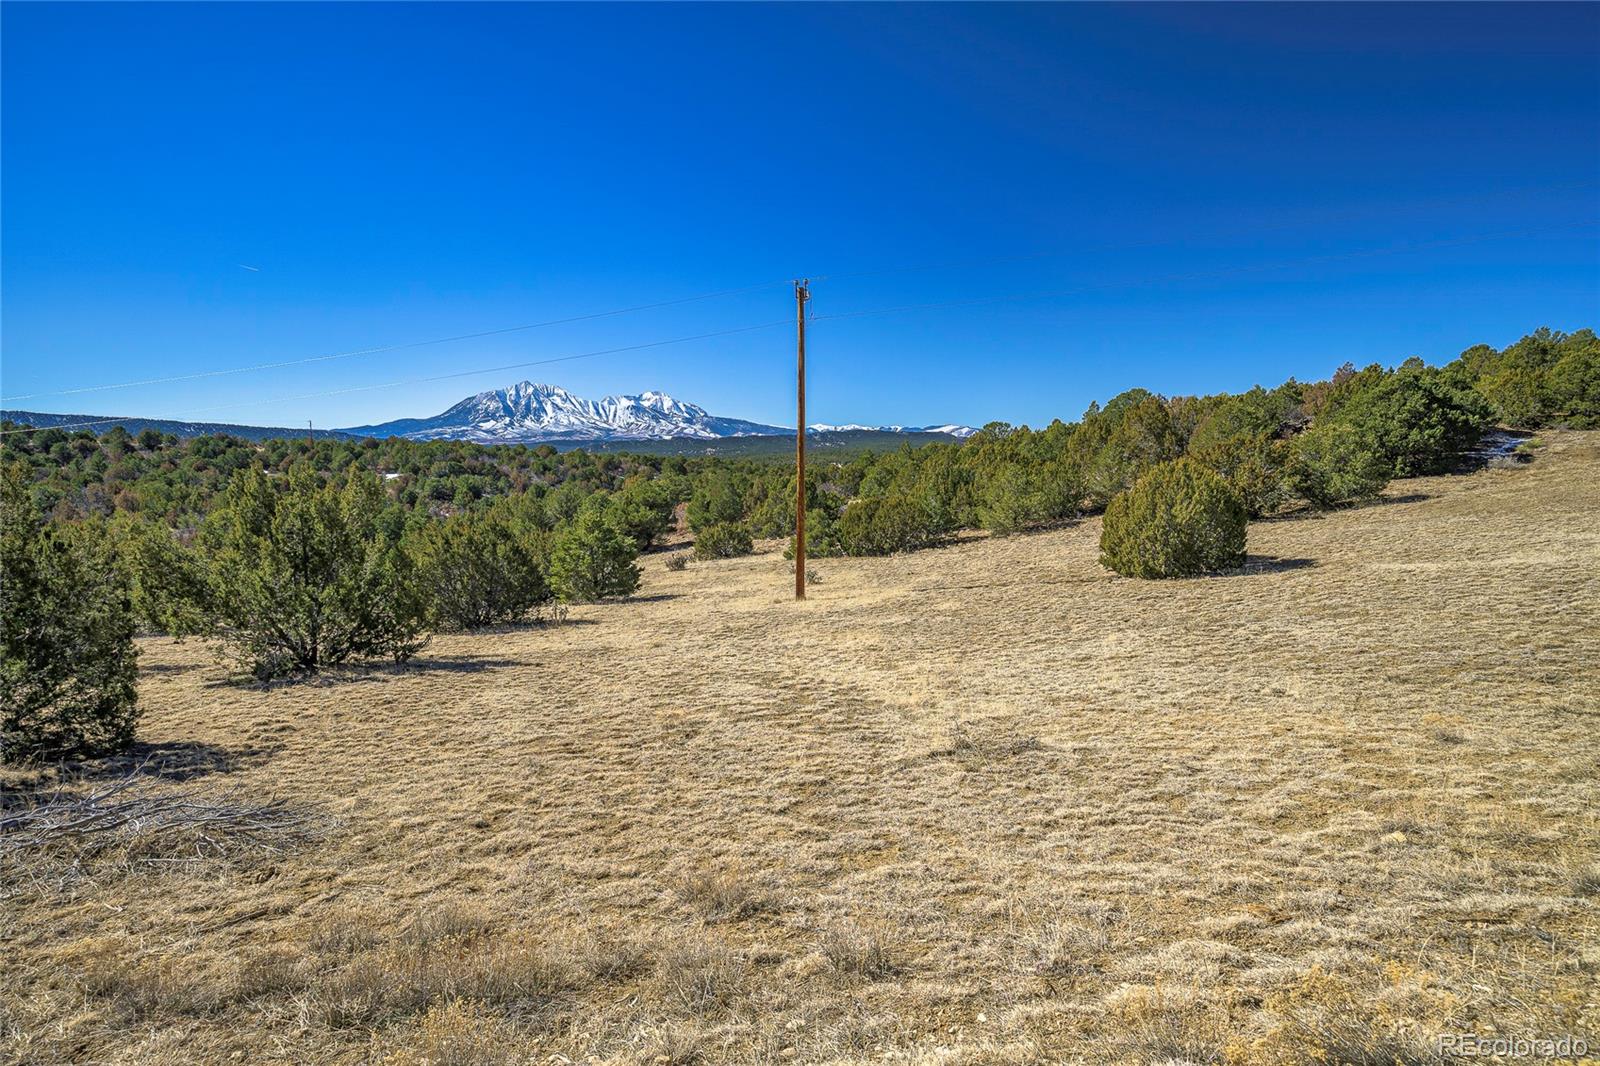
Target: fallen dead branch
<point>144,822</point>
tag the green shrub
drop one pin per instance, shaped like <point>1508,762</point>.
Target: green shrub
<point>593,560</point>
<point>476,570</point>
<point>1414,416</point>
<point>1179,519</point>
<point>643,511</point>
<point>884,526</point>
<point>822,536</point>
<point>716,501</point>
<point>773,514</point>
<point>1253,466</point>
<point>67,660</point>
<point>299,574</point>
<point>1019,493</point>
<point>1008,501</point>
<point>1333,465</point>
<point>166,583</point>
<point>724,540</point>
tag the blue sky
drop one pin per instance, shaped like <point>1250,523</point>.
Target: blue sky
<point>1208,197</point>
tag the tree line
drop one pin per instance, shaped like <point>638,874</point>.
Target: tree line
<point>292,555</point>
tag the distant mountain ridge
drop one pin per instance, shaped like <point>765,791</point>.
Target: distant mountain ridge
<point>948,430</point>
<point>105,423</point>
<point>528,413</point>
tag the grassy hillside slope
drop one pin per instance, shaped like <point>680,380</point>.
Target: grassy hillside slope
<point>983,804</point>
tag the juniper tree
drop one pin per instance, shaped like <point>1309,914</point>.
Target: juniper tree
<point>1333,464</point>
<point>300,576</point>
<point>478,569</point>
<point>593,560</point>
<point>1179,519</point>
<point>67,660</point>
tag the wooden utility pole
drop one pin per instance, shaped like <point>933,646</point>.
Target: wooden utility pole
<point>311,438</point>
<point>802,293</point>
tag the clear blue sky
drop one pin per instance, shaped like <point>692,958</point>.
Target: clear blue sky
<point>1228,195</point>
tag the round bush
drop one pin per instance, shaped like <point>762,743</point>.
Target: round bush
<point>1333,464</point>
<point>593,561</point>
<point>886,525</point>
<point>723,541</point>
<point>1179,519</point>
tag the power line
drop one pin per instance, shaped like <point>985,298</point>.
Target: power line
<point>945,264</point>
<point>1201,274</point>
<point>419,380</point>
<point>975,301</point>
<point>904,268</point>
<point>197,375</point>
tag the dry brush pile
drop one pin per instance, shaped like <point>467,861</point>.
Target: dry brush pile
<point>136,821</point>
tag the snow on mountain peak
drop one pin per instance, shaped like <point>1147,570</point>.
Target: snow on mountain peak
<point>951,430</point>
<point>528,412</point>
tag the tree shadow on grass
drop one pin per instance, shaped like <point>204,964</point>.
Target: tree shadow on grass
<point>168,668</point>
<point>454,664</point>
<point>1306,513</point>
<point>362,671</point>
<point>358,673</point>
<point>1271,564</point>
<point>183,760</point>
<point>1410,497</point>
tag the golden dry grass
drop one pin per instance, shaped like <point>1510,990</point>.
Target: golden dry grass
<point>983,804</point>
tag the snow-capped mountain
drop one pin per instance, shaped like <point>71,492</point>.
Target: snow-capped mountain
<point>950,430</point>
<point>526,413</point>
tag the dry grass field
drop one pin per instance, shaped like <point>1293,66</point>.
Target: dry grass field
<point>981,804</point>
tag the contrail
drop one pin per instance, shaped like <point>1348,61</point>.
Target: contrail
<point>251,268</point>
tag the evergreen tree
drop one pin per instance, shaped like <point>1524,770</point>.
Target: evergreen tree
<point>1253,465</point>
<point>1141,436</point>
<point>593,560</point>
<point>884,525</point>
<point>1008,500</point>
<point>478,569</point>
<point>1332,464</point>
<point>1180,519</point>
<point>67,660</point>
<point>723,541</point>
<point>166,584</point>
<point>301,577</point>
<point>1574,381</point>
<point>1416,419</point>
<point>717,500</point>
<point>641,510</point>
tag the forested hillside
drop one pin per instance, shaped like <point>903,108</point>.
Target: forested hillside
<point>1413,418</point>
<point>292,554</point>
